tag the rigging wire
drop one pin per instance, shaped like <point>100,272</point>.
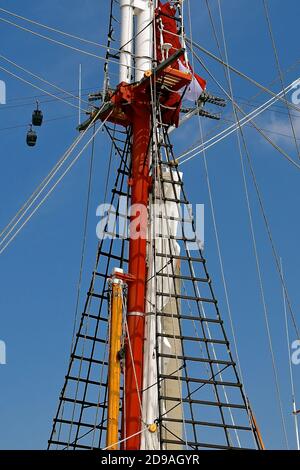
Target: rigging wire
<point>87,309</point>
<point>84,236</point>
<point>224,133</point>
<point>241,74</point>
<point>275,254</point>
<point>240,134</point>
<point>259,110</point>
<point>41,186</point>
<point>280,134</point>
<point>55,41</point>
<point>250,102</point>
<point>264,304</point>
<point>219,254</point>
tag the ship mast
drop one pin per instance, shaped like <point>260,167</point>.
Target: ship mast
<point>151,340</point>
<point>140,185</point>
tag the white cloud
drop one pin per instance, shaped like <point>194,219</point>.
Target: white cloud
<point>279,129</point>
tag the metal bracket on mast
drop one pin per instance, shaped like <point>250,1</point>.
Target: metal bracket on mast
<point>165,76</point>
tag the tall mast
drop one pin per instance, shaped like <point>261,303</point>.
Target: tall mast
<point>178,383</point>
<point>140,185</point>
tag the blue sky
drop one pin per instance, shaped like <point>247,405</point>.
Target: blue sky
<point>39,271</point>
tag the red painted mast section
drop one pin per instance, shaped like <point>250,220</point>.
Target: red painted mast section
<point>140,186</point>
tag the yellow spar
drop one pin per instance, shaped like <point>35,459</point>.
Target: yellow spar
<point>114,366</point>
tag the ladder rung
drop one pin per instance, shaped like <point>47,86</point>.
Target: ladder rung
<point>187,297</point>
<point>206,423</point>
<point>78,423</point>
<point>173,199</point>
<point>98,296</point>
<point>69,445</point>
<point>120,193</point>
<point>123,172</point>
<point>172,218</point>
<point>85,403</point>
<point>204,402</point>
<point>165,180</point>
<point>89,359</point>
<point>193,338</point>
<point>175,237</point>
<point>88,381</point>
<point>201,381</point>
<point>92,338</point>
<point>95,317</point>
<point>189,317</point>
<point>197,359</point>
<point>112,256</point>
<point>201,444</point>
<point>184,278</point>
<point>182,258</point>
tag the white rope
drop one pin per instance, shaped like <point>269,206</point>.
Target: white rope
<point>126,439</point>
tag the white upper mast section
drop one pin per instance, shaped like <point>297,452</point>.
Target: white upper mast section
<point>126,40</point>
<point>140,44</point>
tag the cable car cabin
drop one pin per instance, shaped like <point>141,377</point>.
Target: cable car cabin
<point>31,138</point>
<point>37,117</point>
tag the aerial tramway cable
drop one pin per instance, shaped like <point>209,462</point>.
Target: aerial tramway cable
<point>64,33</point>
<point>32,200</point>
<point>68,46</point>
<point>55,30</point>
<point>38,88</point>
<point>43,80</point>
